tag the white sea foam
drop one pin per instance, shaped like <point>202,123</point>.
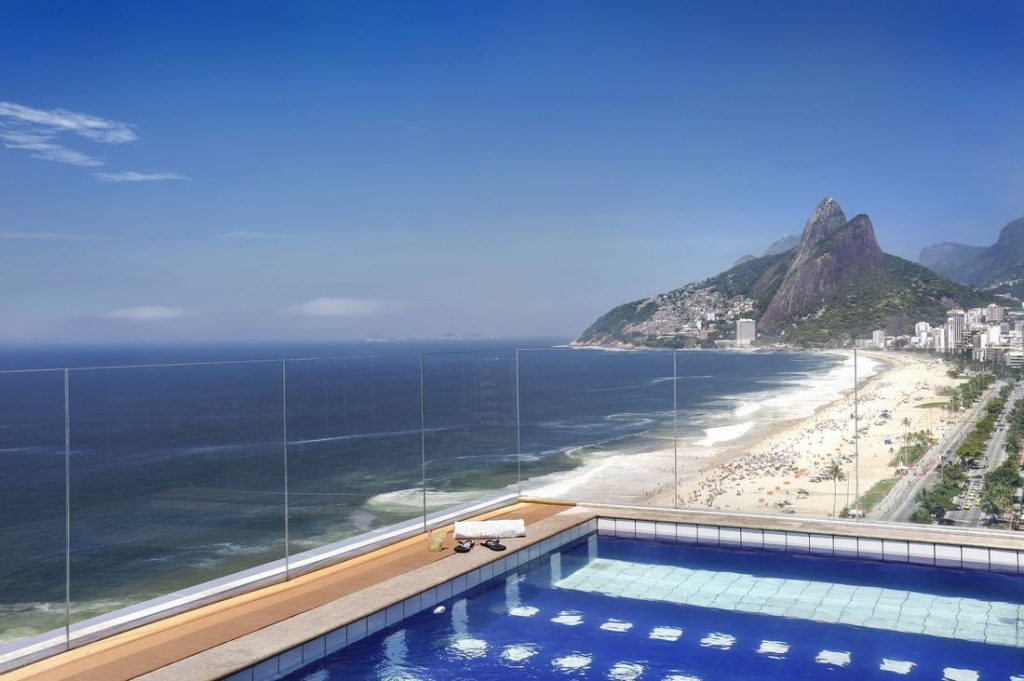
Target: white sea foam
<point>746,408</point>
<point>413,498</point>
<point>713,436</point>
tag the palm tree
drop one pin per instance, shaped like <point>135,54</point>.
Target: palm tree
<point>906,437</point>
<point>835,473</point>
<point>995,501</point>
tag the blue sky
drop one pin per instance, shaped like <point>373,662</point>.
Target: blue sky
<point>220,171</point>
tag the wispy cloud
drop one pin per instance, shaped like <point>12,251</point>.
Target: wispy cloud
<point>145,313</point>
<point>132,176</point>
<point>43,131</point>
<point>44,148</point>
<point>345,307</point>
<point>91,127</point>
<point>45,236</point>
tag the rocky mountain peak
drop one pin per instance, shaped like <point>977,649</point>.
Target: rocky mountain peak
<point>786,242</point>
<point>1013,232</point>
<point>832,253</point>
<point>826,218</point>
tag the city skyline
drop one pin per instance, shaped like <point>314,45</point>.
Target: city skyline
<point>239,172</point>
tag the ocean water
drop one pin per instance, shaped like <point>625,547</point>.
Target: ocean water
<point>177,473</point>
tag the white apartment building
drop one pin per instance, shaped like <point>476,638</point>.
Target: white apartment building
<point>745,331</point>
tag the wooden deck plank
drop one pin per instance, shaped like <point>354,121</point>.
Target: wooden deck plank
<point>150,647</point>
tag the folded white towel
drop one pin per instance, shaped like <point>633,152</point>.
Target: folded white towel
<point>490,529</point>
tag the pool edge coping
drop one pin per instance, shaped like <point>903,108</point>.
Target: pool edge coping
<point>234,660</point>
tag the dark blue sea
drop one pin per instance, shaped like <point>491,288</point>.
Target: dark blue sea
<point>177,472</point>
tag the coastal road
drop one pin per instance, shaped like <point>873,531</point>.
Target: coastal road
<point>994,455</point>
<point>901,501</point>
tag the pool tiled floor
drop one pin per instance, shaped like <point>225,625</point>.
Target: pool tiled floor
<point>912,612</point>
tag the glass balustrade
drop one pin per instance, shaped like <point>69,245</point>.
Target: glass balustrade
<point>597,426</point>
<point>177,478</point>
<point>32,511</point>
<point>178,484</point>
<point>354,450</point>
<point>469,428</point>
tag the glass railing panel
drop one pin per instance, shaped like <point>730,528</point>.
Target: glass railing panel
<point>32,507</point>
<point>354,455</point>
<point>757,431</point>
<point>177,479</point>
<point>469,419</point>
<point>597,426</point>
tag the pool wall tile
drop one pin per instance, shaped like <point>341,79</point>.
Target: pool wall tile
<point>729,536</point>
<point>846,547</point>
<point>798,542</point>
<point>444,591</point>
<point>267,670</point>
<point>394,614</point>
<point>895,550</point>
<point>411,605</point>
<point>921,553</point>
<point>458,585</point>
<point>244,675</point>
<point>625,528</point>
<point>1002,561</point>
<point>752,539</point>
<point>871,549</point>
<point>774,540</point>
<point>605,526</point>
<point>473,578</point>
<point>357,630</point>
<point>665,531</point>
<point>289,661</point>
<point>376,622</point>
<point>821,544</point>
<point>686,533</point>
<point>336,640</point>
<point>974,558</point>
<point>948,556</point>
<point>314,650</point>
<point>707,535</point>
<point>645,530</point>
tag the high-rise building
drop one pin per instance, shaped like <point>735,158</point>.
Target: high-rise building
<point>975,316</point>
<point>939,338</point>
<point>878,338</point>
<point>956,326</point>
<point>745,331</point>
<point>994,313</point>
<point>922,332</point>
<point>995,335</point>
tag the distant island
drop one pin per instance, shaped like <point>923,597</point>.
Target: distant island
<point>826,289</point>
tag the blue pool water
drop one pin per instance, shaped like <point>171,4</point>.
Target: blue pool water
<point>606,608</point>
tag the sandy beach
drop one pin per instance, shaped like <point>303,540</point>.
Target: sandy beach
<point>769,467</point>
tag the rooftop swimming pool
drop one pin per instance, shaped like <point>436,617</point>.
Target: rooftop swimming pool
<point>613,608</point>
